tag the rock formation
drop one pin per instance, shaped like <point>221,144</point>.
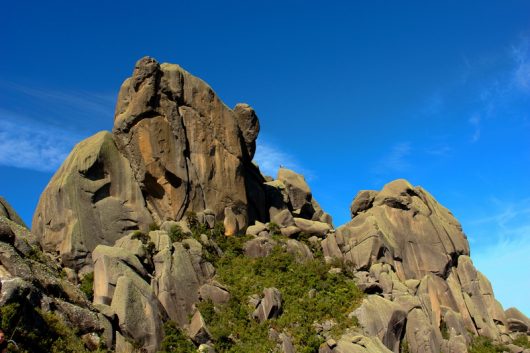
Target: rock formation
<point>146,210</point>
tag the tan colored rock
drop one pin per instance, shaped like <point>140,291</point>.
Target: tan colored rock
<point>139,312</point>
<point>184,145</point>
<point>215,292</point>
<point>312,227</point>
<point>517,321</point>
<point>299,250</point>
<point>270,306</point>
<point>111,263</point>
<point>178,278</point>
<point>382,318</point>
<point>421,336</point>
<point>259,247</point>
<point>407,227</point>
<point>197,330</point>
<point>92,199</point>
<point>359,344</point>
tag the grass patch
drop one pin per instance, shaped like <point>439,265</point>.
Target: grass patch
<point>233,330</point>
<point>522,341</point>
<point>175,341</point>
<point>482,344</point>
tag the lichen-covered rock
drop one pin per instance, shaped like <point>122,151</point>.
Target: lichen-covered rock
<point>92,199</point>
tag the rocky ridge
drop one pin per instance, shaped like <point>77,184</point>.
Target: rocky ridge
<point>156,210</point>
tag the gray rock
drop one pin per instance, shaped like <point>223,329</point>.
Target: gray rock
<point>259,247</point>
<point>270,306</point>
<point>197,330</point>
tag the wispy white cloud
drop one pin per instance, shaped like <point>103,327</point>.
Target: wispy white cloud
<point>521,56</point>
<point>475,123</point>
<point>269,159</point>
<point>441,150</point>
<point>396,160</point>
<point>27,144</point>
<point>501,244</point>
<point>506,265</point>
<point>82,101</point>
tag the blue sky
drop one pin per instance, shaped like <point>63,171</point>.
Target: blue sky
<point>351,95</point>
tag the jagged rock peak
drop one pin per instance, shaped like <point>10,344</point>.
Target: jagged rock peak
<point>404,226</point>
<point>187,149</point>
<point>175,148</point>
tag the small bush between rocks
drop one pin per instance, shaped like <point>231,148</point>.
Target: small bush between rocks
<point>481,344</point>
<point>522,341</point>
<point>175,341</point>
<point>87,285</point>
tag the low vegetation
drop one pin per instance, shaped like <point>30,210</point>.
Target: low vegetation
<point>481,344</point>
<point>310,295</point>
<point>36,331</point>
<point>87,285</point>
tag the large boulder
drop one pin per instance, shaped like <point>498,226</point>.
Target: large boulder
<point>92,199</point>
<point>187,149</point>
<point>405,226</point>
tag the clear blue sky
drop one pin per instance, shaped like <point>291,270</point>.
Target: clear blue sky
<point>351,94</point>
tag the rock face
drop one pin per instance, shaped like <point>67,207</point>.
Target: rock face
<point>32,281</point>
<point>188,150</point>
<point>175,148</point>
<point>92,199</point>
<point>411,251</point>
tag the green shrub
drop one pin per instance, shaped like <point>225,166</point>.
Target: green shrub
<point>481,344</point>
<point>139,235</point>
<point>231,326</point>
<point>176,233</point>
<point>153,227</point>
<point>274,229</point>
<point>87,285</point>
<point>522,341</point>
<point>175,341</point>
<point>36,331</point>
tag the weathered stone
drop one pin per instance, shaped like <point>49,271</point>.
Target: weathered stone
<point>215,292</point>
<point>176,283</point>
<point>197,330</point>
<point>362,202</point>
<point>290,231</point>
<point>382,318</point>
<point>284,218</point>
<point>517,321</point>
<point>248,123</point>
<point>139,312</point>
<point>407,227</point>
<point>360,344</point>
<point>184,145</point>
<point>421,336</point>
<point>312,227</point>
<point>299,250</point>
<point>256,228</point>
<point>7,211</point>
<point>270,306</point>
<point>92,199</point>
<point>110,263</point>
<point>259,247</point>
<point>287,343</point>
